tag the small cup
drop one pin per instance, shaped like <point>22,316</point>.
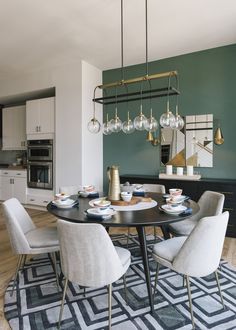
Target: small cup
<point>126,196</point>
<point>175,191</point>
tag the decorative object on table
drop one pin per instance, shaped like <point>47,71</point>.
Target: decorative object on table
<point>180,171</point>
<point>174,210</point>
<point>169,169</point>
<point>127,187</point>
<point>41,311</point>
<point>140,122</point>
<point>189,170</point>
<point>88,191</point>
<point>126,196</point>
<point>114,183</point>
<point>194,177</point>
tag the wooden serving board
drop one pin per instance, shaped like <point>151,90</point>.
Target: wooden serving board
<point>134,200</point>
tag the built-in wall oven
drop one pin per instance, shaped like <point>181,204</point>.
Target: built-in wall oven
<point>40,164</point>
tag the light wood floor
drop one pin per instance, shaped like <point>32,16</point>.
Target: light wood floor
<point>41,218</point>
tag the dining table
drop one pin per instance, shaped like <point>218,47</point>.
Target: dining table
<point>139,219</point>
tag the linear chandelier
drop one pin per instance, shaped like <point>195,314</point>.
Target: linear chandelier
<point>140,123</point>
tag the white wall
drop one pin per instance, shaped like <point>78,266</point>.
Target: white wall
<point>69,123</point>
<point>92,146</point>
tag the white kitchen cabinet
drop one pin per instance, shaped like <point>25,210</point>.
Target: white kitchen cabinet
<point>13,184</point>
<point>39,197</point>
<point>40,116</point>
<point>14,128</point>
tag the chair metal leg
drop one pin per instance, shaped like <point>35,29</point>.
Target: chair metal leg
<point>155,234</point>
<point>54,265</point>
<point>128,235</point>
<point>24,260</point>
<point>84,292</point>
<point>218,284</point>
<point>62,302</point>
<point>156,277</point>
<point>190,300</point>
<point>183,280</point>
<point>109,305</point>
<point>20,257</point>
<point>125,288</point>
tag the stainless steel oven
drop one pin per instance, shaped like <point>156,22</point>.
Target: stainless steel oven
<point>40,150</point>
<point>39,174</point>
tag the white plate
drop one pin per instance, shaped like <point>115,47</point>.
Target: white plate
<point>87,193</point>
<point>95,211</point>
<point>95,201</point>
<point>177,200</point>
<point>173,210</point>
<point>64,206</point>
<point>67,202</point>
<point>62,196</point>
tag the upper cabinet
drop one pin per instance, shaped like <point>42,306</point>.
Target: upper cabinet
<point>13,128</point>
<point>40,117</point>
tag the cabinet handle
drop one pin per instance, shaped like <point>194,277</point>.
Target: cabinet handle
<point>18,173</point>
<point>46,202</point>
<point>32,200</point>
<point>39,128</point>
<point>226,192</point>
<point>228,209</point>
<point>5,172</point>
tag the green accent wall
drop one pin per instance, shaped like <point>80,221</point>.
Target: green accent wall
<point>207,85</point>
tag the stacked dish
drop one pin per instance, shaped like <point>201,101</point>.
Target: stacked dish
<point>174,210</point>
<point>64,203</point>
<point>94,213</point>
<point>88,191</point>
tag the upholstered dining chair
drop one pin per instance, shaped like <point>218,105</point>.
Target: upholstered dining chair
<point>89,258</point>
<point>155,188</point>
<point>210,203</point>
<point>26,238</point>
<point>197,255</point>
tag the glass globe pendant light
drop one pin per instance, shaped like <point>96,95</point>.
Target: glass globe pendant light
<point>128,126</point>
<point>106,128</point>
<point>167,118</point>
<point>178,123</point>
<point>140,121</point>
<point>151,124</point>
<point>116,123</point>
<point>94,125</point>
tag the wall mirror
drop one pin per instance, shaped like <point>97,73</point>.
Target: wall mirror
<point>191,146</point>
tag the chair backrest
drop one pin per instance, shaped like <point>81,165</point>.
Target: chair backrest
<point>201,252</point>
<point>88,256</point>
<point>18,223</point>
<point>69,190</point>
<point>156,188</point>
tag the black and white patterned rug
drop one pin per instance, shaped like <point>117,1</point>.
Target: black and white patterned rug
<point>36,302</point>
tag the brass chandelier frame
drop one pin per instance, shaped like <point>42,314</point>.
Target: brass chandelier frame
<point>142,94</point>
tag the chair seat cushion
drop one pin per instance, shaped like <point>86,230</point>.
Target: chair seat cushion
<point>183,228</point>
<point>165,252</point>
<point>125,256</point>
<point>42,237</point>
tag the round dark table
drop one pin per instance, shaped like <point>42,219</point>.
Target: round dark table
<point>138,219</point>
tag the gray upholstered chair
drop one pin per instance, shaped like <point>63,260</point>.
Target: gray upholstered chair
<point>155,188</point>
<point>26,238</point>
<point>210,203</point>
<point>197,255</point>
<point>89,258</point>
<point>69,190</point>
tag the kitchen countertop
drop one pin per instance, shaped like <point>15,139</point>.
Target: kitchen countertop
<point>11,167</point>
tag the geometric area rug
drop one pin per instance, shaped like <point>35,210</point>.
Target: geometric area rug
<point>36,302</point>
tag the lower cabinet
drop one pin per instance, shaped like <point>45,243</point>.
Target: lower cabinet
<point>39,197</point>
<point>13,184</point>
<point>195,189</point>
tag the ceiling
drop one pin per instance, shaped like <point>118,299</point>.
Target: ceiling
<point>40,34</point>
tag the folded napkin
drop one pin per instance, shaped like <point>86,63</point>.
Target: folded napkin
<point>188,211</point>
<point>139,193</point>
<point>93,195</point>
